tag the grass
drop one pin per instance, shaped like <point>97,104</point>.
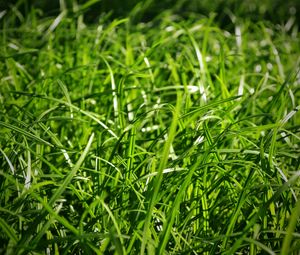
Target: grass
<point>172,136</point>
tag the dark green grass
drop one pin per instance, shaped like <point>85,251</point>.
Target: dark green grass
<point>174,136</point>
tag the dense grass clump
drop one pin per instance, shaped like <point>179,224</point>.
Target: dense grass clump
<point>172,136</point>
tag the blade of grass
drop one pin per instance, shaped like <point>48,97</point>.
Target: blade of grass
<point>9,231</point>
<point>27,237</point>
<point>294,219</point>
<point>159,176</point>
<point>70,176</point>
<point>25,133</point>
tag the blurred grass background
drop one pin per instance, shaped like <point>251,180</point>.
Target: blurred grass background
<point>276,11</point>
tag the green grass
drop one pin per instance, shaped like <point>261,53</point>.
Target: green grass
<point>174,136</point>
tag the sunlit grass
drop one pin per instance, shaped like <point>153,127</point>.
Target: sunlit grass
<point>174,136</point>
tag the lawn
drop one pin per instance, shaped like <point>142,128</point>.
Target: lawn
<point>137,130</point>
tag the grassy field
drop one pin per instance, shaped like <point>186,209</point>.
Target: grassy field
<point>175,135</point>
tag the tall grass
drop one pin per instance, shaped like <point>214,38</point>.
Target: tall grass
<point>173,136</point>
